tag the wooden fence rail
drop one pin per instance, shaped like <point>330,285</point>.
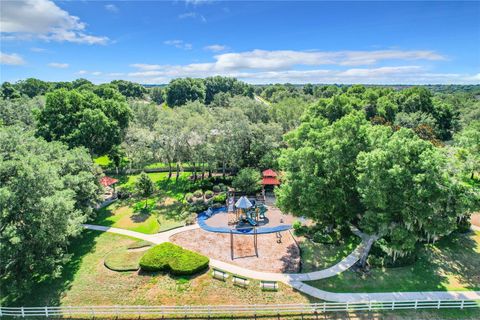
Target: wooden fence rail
<point>218,310</point>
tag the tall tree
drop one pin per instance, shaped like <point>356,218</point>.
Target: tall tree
<point>46,192</point>
<point>84,119</point>
<point>179,91</point>
<point>145,187</point>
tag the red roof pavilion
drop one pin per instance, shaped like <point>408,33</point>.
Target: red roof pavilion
<point>270,178</point>
<point>107,181</point>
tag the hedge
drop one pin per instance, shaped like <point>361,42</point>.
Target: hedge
<point>171,258</point>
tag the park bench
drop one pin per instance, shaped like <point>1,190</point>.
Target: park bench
<point>269,285</point>
<point>219,274</point>
<point>240,281</point>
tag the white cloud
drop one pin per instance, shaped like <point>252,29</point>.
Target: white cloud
<point>82,72</point>
<point>43,19</point>
<point>282,59</point>
<point>111,7</point>
<point>215,47</point>
<point>180,44</point>
<point>146,67</point>
<point>58,65</point>
<point>192,15</point>
<point>35,49</point>
<point>11,59</point>
<point>197,2</point>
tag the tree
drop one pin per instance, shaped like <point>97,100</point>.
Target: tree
<point>397,188</point>
<point>130,89</point>
<point>308,89</point>
<point>20,111</point>
<point>469,142</point>
<point>247,181</point>
<point>145,187</point>
<point>179,91</point>
<point>84,119</point>
<point>320,170</point>
<point>32,87</point>
<point>157,95</point>
<point>46,192</point>
<point>409,192</point>
<point>219,84</point>
<point>8,91</point>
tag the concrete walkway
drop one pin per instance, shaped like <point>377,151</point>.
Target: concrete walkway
<point>296,279</point>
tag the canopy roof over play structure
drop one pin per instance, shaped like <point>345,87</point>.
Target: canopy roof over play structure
<point>108,181</point>
<point>269,178</point>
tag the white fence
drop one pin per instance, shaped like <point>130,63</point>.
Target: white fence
<point>224,310</point>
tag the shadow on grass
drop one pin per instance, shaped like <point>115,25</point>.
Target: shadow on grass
<point>449,264</point>
<point>49,293</point>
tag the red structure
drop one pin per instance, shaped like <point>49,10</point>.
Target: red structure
<point>108,181</point>
<point>269,178</point>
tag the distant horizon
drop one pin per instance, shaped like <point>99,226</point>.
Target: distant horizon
<point>377,43</point>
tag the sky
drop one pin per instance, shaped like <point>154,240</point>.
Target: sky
<point>259,42</point>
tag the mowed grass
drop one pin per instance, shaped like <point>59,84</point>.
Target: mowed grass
<point>86,281</point>
<point>130,215</point>
<point>451,264</point>
<point>318,256</point>
<point>162,212</point>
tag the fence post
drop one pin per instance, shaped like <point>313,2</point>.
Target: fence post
<point>93,312</point>
<point>324,307</point>
<point>416,304</point>
<point>370,305</point>
<point>46,311</point>
<point>461,305</point>
<point>0,312</point>
<point>438,304</point>
<point>393,305</point>
<point>23,313</point>
<point>346,307</point>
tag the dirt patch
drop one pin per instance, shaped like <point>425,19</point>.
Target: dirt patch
<point>272,256</point>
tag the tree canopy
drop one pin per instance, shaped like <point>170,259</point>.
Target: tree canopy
<point>82,118</point>
<point>46,192</point>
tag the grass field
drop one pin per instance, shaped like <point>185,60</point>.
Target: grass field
<point>317,256</point>
<point>450,264</point>
<point>162,212</point>
<point>86,281</point>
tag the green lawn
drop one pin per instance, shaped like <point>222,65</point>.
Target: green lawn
<point>162,214</point>
<point>450,264</point>
<point>317,256</point>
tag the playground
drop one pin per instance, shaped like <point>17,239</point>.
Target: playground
<point>246,232</point>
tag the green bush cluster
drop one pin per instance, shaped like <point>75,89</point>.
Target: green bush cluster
<point>171,258</point>
<point>189,197</point>
<point>220,198</point>
<point>216,188</point>
<point>208,194</point>
<point>198,193</point>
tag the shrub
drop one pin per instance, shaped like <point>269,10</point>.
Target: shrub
<point>198,206</point>
<point>463,225</point>
<point>223,187</point>
<point>216,188</point>
<point>189,197</point>
<point>190,219</point>
<point>208,194</point>
<point>299,229</point>
<point>198,193</point>
<point>220,198</point>
<point>172,258</point>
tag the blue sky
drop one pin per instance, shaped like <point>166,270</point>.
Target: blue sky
<point>259,42</point>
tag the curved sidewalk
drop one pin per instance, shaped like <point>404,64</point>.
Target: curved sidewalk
<point>295,280</point>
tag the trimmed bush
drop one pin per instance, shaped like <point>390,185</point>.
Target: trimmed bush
<point>198,193</point>
<point>208,194</point>
<point>216,188</point>
<point>220,198</point>
<point>223,187</point>
<point>171,258</point>
<point>189,197</point>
